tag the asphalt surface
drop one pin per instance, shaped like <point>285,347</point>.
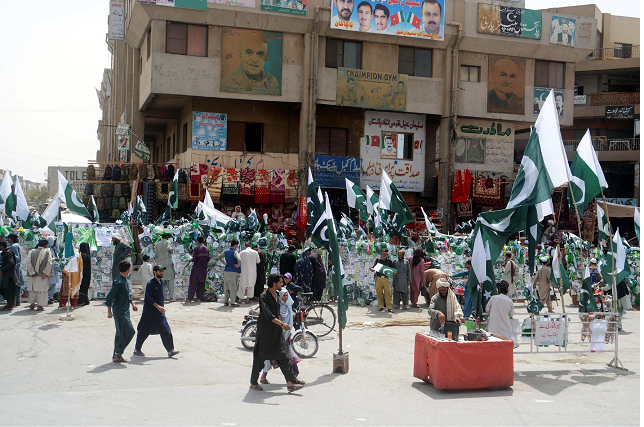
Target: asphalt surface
<point>60,373</point>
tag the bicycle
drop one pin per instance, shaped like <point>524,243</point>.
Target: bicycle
<point>320,317</point>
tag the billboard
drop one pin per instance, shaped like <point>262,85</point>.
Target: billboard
<point>409,18</point>
<point>371,89</point>
<point>240,3</point>
<point>506,85</point>
<point>75,175</point>
<point>330,171</point>
<point>116,26</point>
<point>509,21</point>
<point>562,31</point>
<point>484,145</point>
<point>186,4</point>
<point>209,131</point>
<point>292,7</point>
<point>251,61</point>
<point>540,95</point>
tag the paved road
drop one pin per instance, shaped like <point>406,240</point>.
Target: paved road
<point>60,373</point>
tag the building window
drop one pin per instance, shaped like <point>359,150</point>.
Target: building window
<point>342,53</point>
<point>331,141</point>
<point>470,73</point>
<point>148,43</point>
<point>186,39</point>
<point>623,50</point>
<point>184,134</point>
<point>248,137</point>
<point>549,74</point>
<point>415,61</point>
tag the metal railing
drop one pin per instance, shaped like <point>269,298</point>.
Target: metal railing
<point>620,52</point>
<point>603,144</point>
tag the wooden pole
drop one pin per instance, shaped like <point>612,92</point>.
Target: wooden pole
<point>563,306</point>
<point>610,234</point>
<point>581,238</point>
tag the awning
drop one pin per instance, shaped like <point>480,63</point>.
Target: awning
<point>618,211</point>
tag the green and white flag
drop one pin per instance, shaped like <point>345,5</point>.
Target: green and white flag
<point>7,197</point>
<point>346,229</point>
<point>587,302</point>
<point>393,201</point>
<point>637,224</point>
<point>52,214</point>
<point>383,269</point>
<point>320,232</point>
<point>431,228</point>
<point>166,217</point>
<point>67,194</point>
<point>207,200</point>
<point>587,175</point>
<point>544,165</point>
<point>173,194</point>
<point>22,210</point>
<point>534,229</point>
<point>372,201</point>
<point>337,272</point>
<point>618,253</point>
<point>94,209</point>
<point>313,205</point>
<point>356,199</point>
<point>603,226</point>
<point>558,271</point>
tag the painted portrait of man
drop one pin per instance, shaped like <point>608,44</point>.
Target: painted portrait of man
<point>388,149</point>
<point>506,85</point>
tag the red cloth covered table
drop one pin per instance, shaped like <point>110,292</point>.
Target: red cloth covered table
<point>451,365</point>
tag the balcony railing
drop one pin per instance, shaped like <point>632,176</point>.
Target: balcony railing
<point>621,52</point>
<point>603,144</point>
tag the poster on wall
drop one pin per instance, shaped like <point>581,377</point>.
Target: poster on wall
<point>251,61</point>
<point>540,95</point>
<point>330,171</point>
<point>116,26</point>
<point>142,151</point>
<point>617,112</point>
<point>293,7</point>
<point>395,143</point>
<point>240,3</point>
<point>509,21</point>
<point>562,31</point>
<point>484,145</point>
<point>585,33</point>
<point>371,89</point>
<point>419,19</point>
<point>186,4</point>
<point>506,85</point>
<point>209,131</point>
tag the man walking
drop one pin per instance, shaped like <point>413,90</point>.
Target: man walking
<point>15,248</point>
<point>383,285</point>
<point>121,251</point>
<point>153,320</point>
<point>249,259</point>
<point>231,272</point>
<point>509,271</point>
<point>500,308</point>
<point>319,276</point>
<point>543,279</point>
<point>268,342</point>
<point>200,258</point>
<point>402,280</point>
<point>163,255</point>
<point>287,261</point>
<point>118,301</point>
<point>9,277</point>
<point>53,276</point>
<point>39,265</point>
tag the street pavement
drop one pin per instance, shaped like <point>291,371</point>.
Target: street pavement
<point>60,373</point>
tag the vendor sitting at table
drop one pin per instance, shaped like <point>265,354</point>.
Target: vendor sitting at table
<point>444,307</point>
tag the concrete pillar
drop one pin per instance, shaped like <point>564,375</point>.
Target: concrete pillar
<point>445,151</point>
<point>306,151</point>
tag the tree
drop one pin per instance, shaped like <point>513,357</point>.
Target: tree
<point>37,197</point>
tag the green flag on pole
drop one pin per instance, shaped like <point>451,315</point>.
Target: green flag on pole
<point>587,302</point>
<point>67,194</point>
<point>356,199</point>
<point>338,268</point>
<point>637,224</point>
<point>96,217</point>
<point>8,200</point>
<point>314,206</point>
<point>587,175</point>
<point>618,253</point>
<point>393,201</point>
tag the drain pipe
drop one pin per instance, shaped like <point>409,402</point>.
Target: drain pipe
<point>455,74</point>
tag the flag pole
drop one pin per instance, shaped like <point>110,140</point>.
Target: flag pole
<point>610,234</point>
<point>563,306</point>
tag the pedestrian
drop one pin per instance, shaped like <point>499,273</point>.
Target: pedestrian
<point>500,308</point>
<point>146,272</point>
<point>287,261</point>
<point>319,276</point>
<point>163,257</point>
<point>72,278</point>
<point>200,258</point>
<point>401,280</point>
<point>417,275</point>
<point>269,341</point>
<point>153,320</point>
<point>543,279</point>
<point>249,259</point>
<point>85,254</point>
<point>12,239</point>
<point>260,282</point>
<point>444,307</point>
<point>231,272</point>
<point>118,301</point>
<point>303,275</point>
<point>383,285</point>
<point>9,276</point>
<point>39,267</point>
<point>121,251</point>
<point>432,276</point>
<point>52,246</point>
<point>509,271</point>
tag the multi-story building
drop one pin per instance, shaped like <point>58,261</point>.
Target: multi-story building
<point>418,89</point>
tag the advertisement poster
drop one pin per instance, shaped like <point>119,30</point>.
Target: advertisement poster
<point>506,85</point>
<point>407,18</point>
<point>562,31</point>
<point>388,147</point>
<point>209,131</point>
<point>240,3</point>
<point>293,7</point>
<point>509,21</point>
<point>330,171</point>
<point>371,89</point>
<point>484,145</point>
<point>116,28</point>
<point>408,174</point>
<point>540,95</point>
<point>251,61</point>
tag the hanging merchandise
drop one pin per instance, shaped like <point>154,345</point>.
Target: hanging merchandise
<point>195,193</point>
<point>464,210</point>
<point>278,186</point>
<point>247,187</point>
<point>262,186</point>
<point>462,186</point>
<point>215,182</point>
<point>163,190</point>
<point>488,192</point>
<point>291,187</point>
<point>230,188</point>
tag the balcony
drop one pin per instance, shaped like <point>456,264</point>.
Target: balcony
<point>608,150</point>
<point>621,52</point>
<point>594,104</point>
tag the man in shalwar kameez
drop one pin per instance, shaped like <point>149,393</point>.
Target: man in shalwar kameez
<point>249,259</point>
<point>163,255</point>
<point>39,267</point>
<point>118,302</point>
<point>121,250</point>
<point>200,258</point>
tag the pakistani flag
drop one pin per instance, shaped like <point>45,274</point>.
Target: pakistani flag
<point>392,200</point>
<point>587,175</point>
<point>346,229</point>
<point>7,196</point>
<point>207,200</point>
<point>320,232</point>
<point>52,214</point>
<point>534,229</point>
<point>587,302</point>
<point>535,305</point>
<point>338,268</point>
<point>96,219</point>
<point>617,254</point>
<point>313,206</point>
<point>637,224</point>
<point>544,165</point>
<point>252,221</point>
<point>431,228</point>
<point>383,269</point>
<point>356,199</point>
<point>22,210</point>
<point>558,271</point>
<point>603,226</point>
<point>372,201</point>
<point>140,210</point>
<point>67,194</point>
<point>173,195</point>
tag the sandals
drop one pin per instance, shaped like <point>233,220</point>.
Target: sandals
<point>298,381</point>
<point>264,381</point>
<point>40,309</point>
<point>256,387</point>
<point>32,307</point>
<point>294,387</point>
<point>119,359</point>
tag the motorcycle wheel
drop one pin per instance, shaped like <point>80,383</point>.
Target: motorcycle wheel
<point>248,335</point>
<point>305,348</point>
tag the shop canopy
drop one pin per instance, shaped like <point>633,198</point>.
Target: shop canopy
<point>617,211</point>
<point>72,218</point>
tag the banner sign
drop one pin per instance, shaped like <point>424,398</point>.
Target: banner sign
<point>371,89</point>
<point>330,171</point>
<point>209,131</point>
<point>540,95</point>
<point>240,3</point>
<point>186,4</point>
<point>142,151</point>
<point>408,18</point>
<point>509,21</point>
<point>484,145</point>
<point>550,332</point>
<point>293,7</point>
<point>116,26</point>
<point>624,112</point>
<point>579,100</point>
<point>122,129</point>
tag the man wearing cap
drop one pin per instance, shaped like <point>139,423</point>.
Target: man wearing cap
<point>121,250</point>
<point>509,271</point>
<point>383,285</point>
<point>200,258</point>
<point>231,272</point>
<point>500,308</point>
<point>432,276</point>
<point>402,280</point>
<point>444,307</point>
<point>249,258</point>
<point>549,232</point>
<point>543,279</point>
<point>39,266</point>
<point>153,320</point>
<point>163,255</point>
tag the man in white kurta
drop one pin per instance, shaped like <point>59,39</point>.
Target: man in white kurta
<point>509,271</point>
<point>163,255</point>
<point>501,308</point>
<point>249,260</point>
<point>39,266</point>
